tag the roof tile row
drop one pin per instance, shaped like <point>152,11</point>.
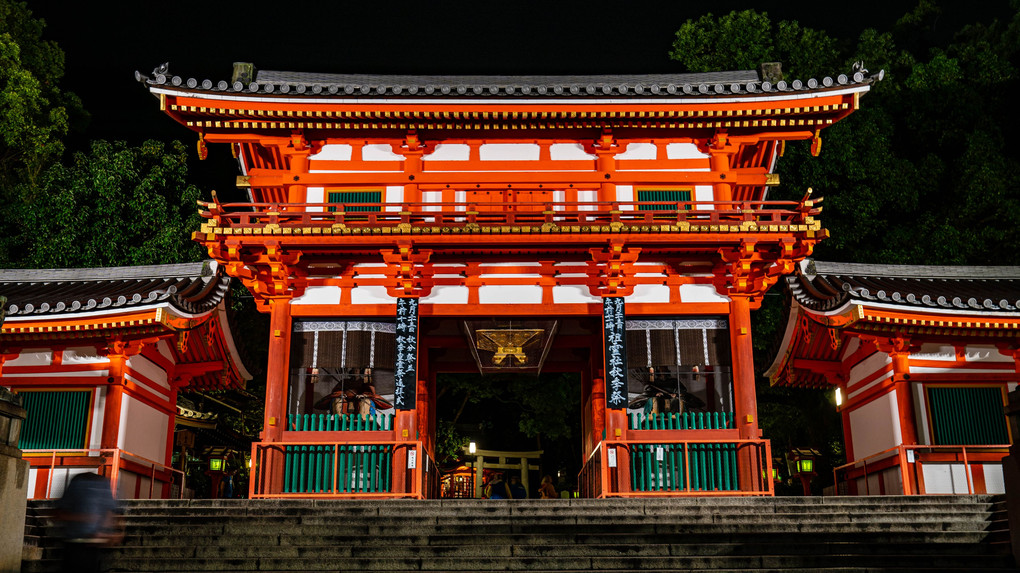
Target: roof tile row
<point>742,82</point>
<point>191,287</point>
<point>826,286</point>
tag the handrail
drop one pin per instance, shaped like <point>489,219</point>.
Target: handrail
<point>432,477</point>
<point>902,463</point>
<point>114,458</point>
<point>473,216</point>
<point>414,479</point>
<point>605,479</point>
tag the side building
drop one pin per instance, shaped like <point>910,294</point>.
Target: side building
<point>99,356</point>
<point>617,227</point>
<point>921,359</point>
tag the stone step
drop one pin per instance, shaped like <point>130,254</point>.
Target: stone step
<point>558,512</point>
<point>650,549</point>
<point>875,534</point>
<point>607,504</point>
<point>269,540</point>
<point>559,563</point>
<point>241,528</point>
<point>44,567</point>
<point>527,520</point>
<point>399,511</point>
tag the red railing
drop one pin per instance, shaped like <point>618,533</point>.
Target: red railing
<point>343,469</point>
<point>474,217</point>
<point>908,461</point>
<point>609,471</point>
<point>111,463</point>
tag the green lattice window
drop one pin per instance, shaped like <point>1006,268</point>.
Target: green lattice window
<point>56,420</point>
<point>356,197</point>
<point>967,416</point>
<point>670,195</point>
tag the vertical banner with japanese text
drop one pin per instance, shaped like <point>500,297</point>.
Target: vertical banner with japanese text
<point>405,371</point>
<point>614,327</point>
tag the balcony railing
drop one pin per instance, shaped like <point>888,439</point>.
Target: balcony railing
<point>343,469</point>
<point>111,463</point>
<point>908,462</point>
<point>431,218</point>
<point>631,468</point>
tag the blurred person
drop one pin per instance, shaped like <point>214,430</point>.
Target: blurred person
<point>88,518</point>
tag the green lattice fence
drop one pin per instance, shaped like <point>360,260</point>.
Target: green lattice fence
<point>55,420</point>
<point>675,467</point>
<point>360,468</point>
<point>967,416</point>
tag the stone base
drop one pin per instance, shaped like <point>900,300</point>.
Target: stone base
<point>13,501</point>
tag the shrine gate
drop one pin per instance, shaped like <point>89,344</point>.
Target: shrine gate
<point>615,226</point>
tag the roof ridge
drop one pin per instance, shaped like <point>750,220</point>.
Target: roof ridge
<point>935,272</point>
<point>139,272</point>
<point>698,84</point>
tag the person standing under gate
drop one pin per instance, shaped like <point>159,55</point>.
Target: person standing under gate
<point>547,490</point>
<point>517,489</point>
<point>498,488</point>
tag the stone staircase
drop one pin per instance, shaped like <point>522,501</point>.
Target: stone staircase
<point>873,534</point>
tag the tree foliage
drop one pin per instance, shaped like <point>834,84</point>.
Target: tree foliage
<point>115,205</point>
<point>744,40</point>
<point>35,114</point>
<point>925,172</point>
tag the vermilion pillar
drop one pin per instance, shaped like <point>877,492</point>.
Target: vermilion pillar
<point>110,437</point>
<point>905,405</point>
<point>277,379</point>
<point>745,403</point>
<point>720,153</point>
<point>298,166</point>
<point>277,369</point>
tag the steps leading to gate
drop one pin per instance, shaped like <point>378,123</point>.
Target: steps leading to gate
<point>951,533</point>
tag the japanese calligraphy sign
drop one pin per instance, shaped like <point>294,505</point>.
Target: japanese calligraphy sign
<point>405,371</point>
<point>614,328</point>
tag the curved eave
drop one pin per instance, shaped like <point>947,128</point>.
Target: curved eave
<point>228,343</point>
<point>524,102</point>
<point>786,346</point>
<point>143,320</point>
<point>802,112</point>
<point>803,361</point>
<point>190,288</point>
<point>861,318</point>
<point>879,311</point>
<point>206,353</point>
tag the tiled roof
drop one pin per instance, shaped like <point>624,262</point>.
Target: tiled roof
<point>190,287</point>
<point>826,286</point>
<point>742,82</point>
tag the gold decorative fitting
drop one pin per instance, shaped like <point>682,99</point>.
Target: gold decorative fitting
<point>772,179</point>
<point>507,343</point>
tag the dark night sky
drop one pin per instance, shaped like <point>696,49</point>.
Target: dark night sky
<point>105,42</point>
